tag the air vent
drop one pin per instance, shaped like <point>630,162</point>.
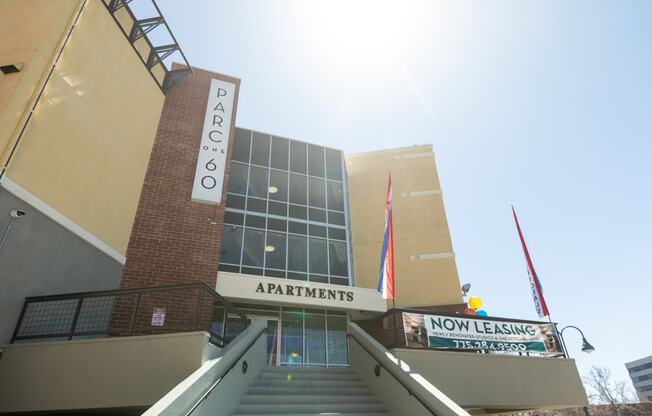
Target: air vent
<point>11,69</point>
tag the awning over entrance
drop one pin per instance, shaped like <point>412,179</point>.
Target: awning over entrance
<point>272,290</point>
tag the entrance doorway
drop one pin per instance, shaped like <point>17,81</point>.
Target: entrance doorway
<point>273,337</point>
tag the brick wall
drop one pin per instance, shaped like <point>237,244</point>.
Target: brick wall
<point>172,240</point>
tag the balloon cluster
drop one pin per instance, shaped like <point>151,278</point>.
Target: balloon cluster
<point>475,303</point>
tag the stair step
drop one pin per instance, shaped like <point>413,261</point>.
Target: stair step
<point>308,399</point>
<point>301,375</point>
<point>320,414</point>
<point>308,389</point>
<point>308,383</point>
<point>319,408</point>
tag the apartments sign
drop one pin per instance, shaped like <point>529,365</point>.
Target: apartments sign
<point>452,332</point>
<point>211,161</point>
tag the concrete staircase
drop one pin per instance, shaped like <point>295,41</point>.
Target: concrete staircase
<point>297,391</point>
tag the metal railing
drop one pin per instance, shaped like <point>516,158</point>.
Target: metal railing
<point>128,312</point>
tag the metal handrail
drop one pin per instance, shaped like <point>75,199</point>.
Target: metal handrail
<point>235,362</point>
<point>409,390</point>
<point>81,296</point>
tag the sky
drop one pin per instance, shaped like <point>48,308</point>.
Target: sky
<point>546,105</point>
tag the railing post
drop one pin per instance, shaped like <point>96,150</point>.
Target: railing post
<point>224,321</point>
<point>20,321</point>
<point>75,318</point>
<point>197,308</point>
<point>133,316</point>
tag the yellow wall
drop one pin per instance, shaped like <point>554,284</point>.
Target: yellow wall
<point>30,31</point>
<point>420,225</point>
<point>87,146</point>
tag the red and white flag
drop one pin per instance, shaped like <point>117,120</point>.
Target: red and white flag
<point>386,284</point>
<point>535,284</point>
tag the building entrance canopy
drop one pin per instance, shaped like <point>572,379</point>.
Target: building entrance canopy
<point>258,289</point>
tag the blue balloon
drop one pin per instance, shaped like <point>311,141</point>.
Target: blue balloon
<point>481,313</point>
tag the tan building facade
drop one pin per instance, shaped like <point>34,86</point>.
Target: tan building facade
<point>424,259</point>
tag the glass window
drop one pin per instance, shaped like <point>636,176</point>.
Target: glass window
<point>256,205</point>
<point>317,230</point>
<point>297,211</point>
<point>235,201</point>
<point>297,253</point>
<point>315,160</point>
<point>335,196</point>
<point>298,189</point>
<point>292,338</point>
<point>315,339</point>
<point>231,217</point>
<point>278,225</point>
<point>298,157</point>
<point>252,270</point>
<point>318,262</point>
<point>256,221</point>
<point>231,244</point>
<point>333,164</point>
<point>336,218</point>
<point>343,281</point>
<point>258,182</point>
<point>254,247</point>
<point>280,153</point>
<point>278,208</point>
<point>275,273</point>
<point>260,149</point>
<point>275,251</point>
<point>278,185</point>
<point>298,228</point>
<point>317,193</point>
<point>337,233</point>
<point>297,276</point>
<point>238,178</point>
<point>336,336</point>
<point>337,258</point>
<point>319,278</point>
<point>316,214</point>
<point>241,145</point>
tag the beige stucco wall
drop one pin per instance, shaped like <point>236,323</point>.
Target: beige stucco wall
<point>30,31</point>
<point>87,146</point>
<point>499,382</point>
<point>102,373</point>
<point>420,225</point>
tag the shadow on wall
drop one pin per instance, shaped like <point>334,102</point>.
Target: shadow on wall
<point>40,257</point>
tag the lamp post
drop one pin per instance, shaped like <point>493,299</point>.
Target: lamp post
<point>586,347</point>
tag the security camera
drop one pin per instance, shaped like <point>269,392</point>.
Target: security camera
<point>465,288</point>
<point>17,213</point>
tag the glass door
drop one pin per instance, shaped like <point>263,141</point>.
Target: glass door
<point>273,338</point>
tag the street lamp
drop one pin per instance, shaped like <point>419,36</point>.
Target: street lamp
<point>586,346</point>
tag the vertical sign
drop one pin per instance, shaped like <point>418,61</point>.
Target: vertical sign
<point>209,175</point>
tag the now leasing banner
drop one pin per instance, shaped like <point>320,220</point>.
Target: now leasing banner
<point>438,331</point>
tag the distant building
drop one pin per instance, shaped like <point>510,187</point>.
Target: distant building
<point>640,371</point>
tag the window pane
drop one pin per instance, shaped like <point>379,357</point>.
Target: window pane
<point>297,254</point>
<point>337,258</point>
<point>335,218</point>
<point>254,247</point>
<point>274,224</point>
<point>278,208</point>
<point>298,189</point>
<point>256,205</point>
<point>298,157</point>
<point>317,230</point>
<point>275,251</point>
<point>278,185</point>
<point>318,257</point>
<point>335,196</point>
<point>231,244</point>
<point>333,164</point>
<point>316,214</point>
<point>316,160</point>
<point>297,211</point>
<point>241,145</point>
<point>258,182</point>
<point>292,338</point>
<point>238,178</point>
<point>336,233</point>
<point>315,339</point>
<point>235,201</point>
<point>317,193</point>
<point>255,221</point>
<point>260,149</point>
<point>280,153</point>
<point>235,218</point>
<point>336,335</point>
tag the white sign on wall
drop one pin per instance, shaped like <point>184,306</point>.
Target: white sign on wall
<point>249,288</point>
<point>158,317</point>
<point>211,161</point>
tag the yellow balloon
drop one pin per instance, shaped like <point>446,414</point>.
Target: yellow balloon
<point>475,303</point>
